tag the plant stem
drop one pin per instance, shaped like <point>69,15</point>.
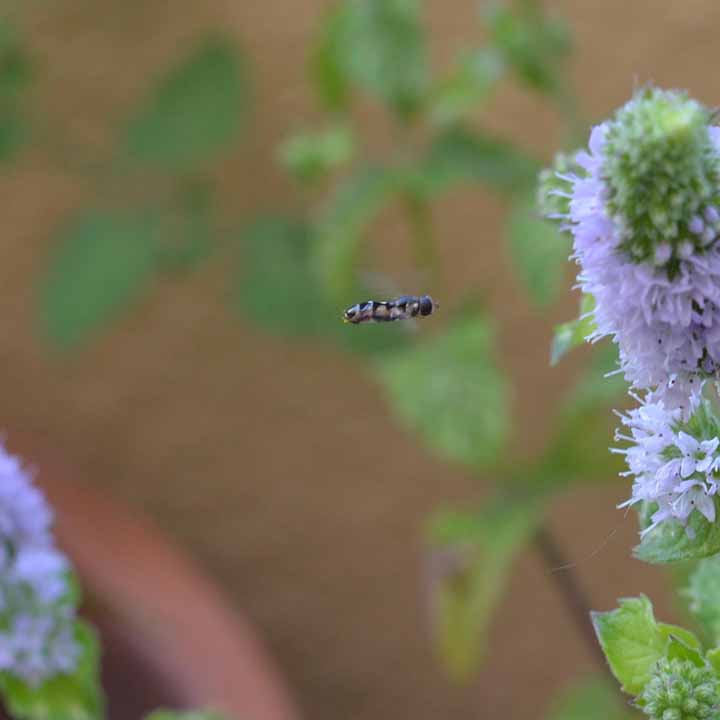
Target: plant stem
<point>573,594</point>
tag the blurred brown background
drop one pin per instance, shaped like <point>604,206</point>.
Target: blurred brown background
<point>279,465</point>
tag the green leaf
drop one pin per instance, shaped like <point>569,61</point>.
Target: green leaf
<point>184,715</point>
<point>377,45</point>
<point>713,657</point>
<point>572,334</point>
<point>676,649</point>
<point>485,545</point>
<point>64,697</point>
<point>101,264</point>
<point>539,251</point>
<point>670,541</point>
<point>459,156</point>
<point>326,68</point>
<point>15,63</point>
<point>353,206</point>
<point>471,83</point>
<point>193,112</point>
<point>310,156</point>
<point>531,43</point>
<point>686,637</point>
<point>277,288</point>
<point>631,640</point>
<point>450,392</point>
<point>703,595</point>
<point>15,80</point>
<point>591,699</point>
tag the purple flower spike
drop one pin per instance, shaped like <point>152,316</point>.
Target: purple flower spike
<point>37,639</point>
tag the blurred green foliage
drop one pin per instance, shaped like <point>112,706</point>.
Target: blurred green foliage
<point>450,391</point>
<point>537,252</point>
<point>702,590</point>
<point>101,263</point>
<point>478,550</point>
<point>312,155</point>
<point>15,80</point>
<point>193,113</point>
<point>298,269</point>
<point>377,46</point>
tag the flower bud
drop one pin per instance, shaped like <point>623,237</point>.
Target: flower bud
<point>679,690</point>
<point>662,172</point>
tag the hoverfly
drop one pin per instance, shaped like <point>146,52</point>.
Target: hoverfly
<point>405,307</point>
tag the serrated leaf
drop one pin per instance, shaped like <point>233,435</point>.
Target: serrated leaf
<point>459,156</point>
<point>77,696</point>
<point>703,595</point>
<point>471,83</point>
<point>591,699</point>
<point>631,640</point>
<point>193,112</point>
<point>450,391</point>
<point>101,264</point>
<point>351,209</point>
<point>670,541</point>
<point>572,334</point>
<point>485,545</point>
<point>539,251</point>
<point>310,156</point>
<point>377,45</point>
<point>184,715</point>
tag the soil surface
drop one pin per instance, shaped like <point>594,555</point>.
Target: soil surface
<point>279,465</point>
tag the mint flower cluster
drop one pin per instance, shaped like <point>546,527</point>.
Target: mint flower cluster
<point>643,211</point>
<point>643,206</point>
<point>37,615</point>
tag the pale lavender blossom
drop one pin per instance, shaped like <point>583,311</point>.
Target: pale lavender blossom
<point>672,465</point>
<point>36,619</point>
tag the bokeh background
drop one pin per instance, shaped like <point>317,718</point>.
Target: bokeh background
<point>278,464</point>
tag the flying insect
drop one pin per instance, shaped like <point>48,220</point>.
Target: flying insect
<point>404,307</point>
